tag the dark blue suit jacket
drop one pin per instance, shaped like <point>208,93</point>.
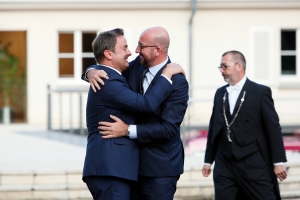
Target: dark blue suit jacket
<point>161,149</point>
<point>117,157</point>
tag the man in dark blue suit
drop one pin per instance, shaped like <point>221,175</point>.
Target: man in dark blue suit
<point>244,138</point>
<point>158,134</point>
<point>111,165</point>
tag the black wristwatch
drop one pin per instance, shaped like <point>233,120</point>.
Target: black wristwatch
<point>128,132</point>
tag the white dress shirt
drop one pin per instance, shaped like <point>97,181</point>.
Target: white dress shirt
<point>234,93</point>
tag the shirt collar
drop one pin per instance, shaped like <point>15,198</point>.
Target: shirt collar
<point>153,70</point>
<point>242,82</point>
<point>112,68</point>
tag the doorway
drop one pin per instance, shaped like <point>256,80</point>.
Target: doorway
<point>13,76</point>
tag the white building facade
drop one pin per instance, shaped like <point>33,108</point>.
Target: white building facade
<point>57,33</point>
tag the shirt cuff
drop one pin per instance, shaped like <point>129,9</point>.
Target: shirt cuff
<point>167,79</point>
<point>207,164</point>
<point>85,75</point>
<point>280,163</point>
<point>132,130</point>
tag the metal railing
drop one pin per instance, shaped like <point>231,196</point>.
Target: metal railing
<point>57,97</point>
<point>66,113</point>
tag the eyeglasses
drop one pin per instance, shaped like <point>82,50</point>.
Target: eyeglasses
<point>224,67</point>
<point>141,46</point>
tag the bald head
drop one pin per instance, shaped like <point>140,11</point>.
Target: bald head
<point>158,36</point>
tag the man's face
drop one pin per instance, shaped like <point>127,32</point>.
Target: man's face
<point>146,50</point>
<point>228,68</point>
<point>121,54</point>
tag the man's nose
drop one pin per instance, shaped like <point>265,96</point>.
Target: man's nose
<point>129,53</point>
<point>137,49</point>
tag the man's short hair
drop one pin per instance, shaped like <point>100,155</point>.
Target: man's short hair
<point>237,56</point>
<point>105,41</point>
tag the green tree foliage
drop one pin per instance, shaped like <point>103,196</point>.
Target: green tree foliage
<point>12,78</point>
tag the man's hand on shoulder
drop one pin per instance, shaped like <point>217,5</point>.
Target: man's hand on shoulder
<point>95,78</point>
<point>113,129</point>
<point>172,69</point>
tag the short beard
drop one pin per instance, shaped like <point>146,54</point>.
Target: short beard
<point>144,62</point>
<point>227,80</point>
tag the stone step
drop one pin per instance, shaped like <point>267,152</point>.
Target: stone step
<point>46,185</point>
<point>40,177</point>
<point>48,192</point>
<point>205,188</point>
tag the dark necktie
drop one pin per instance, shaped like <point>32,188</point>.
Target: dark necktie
<point>142,80</point>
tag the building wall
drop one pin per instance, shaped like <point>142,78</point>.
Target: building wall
<point>215,30</point>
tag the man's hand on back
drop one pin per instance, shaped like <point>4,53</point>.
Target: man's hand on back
<point>113,129</point>
<point>95,78</point>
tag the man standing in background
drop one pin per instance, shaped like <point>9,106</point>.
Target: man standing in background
<point>244,137</point>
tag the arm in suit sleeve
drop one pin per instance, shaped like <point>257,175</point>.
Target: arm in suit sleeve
<point>172,113</point>
<point>118,94</point>
<point>272,127</point>
<point>83,75</point>
<point>211,146</point>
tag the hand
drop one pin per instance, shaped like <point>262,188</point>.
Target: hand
<point>206,170</point>
<point>280,172</point>
<point>114,129</point>
<point>171,69</point>
<point>95,77</point>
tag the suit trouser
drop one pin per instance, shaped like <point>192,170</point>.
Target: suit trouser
<point>155,188</point>
<point>248,177</point>
<point>108,188</point>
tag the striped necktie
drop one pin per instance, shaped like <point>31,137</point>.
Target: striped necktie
<point>146,70</point>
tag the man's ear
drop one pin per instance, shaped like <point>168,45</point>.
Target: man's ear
<point>108,54</point>
<point>240,66</point>
<point>158,51</point>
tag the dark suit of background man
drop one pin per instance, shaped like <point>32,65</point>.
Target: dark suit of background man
<point>161,149</point>
<point>244,137</point>
<point>111,165</point>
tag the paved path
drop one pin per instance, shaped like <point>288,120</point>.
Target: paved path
<point>26,147</point>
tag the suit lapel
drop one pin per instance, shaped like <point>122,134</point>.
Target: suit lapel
<point>227,108</point>
<point>218,118</point>
<point>157,76</point>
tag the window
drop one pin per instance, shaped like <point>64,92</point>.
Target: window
<point>87,51</point>
<point>66,55</point>
<point>75,53</point>
<point>288,52</point>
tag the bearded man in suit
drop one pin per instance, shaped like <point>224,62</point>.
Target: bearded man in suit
<point>244,138</point>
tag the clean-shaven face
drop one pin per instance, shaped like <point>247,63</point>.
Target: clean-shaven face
<point>121,54</point>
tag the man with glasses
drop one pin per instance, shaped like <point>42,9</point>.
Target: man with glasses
<point>161,150</point>
<point>244,138</point>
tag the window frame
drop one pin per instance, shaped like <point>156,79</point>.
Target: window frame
<point>77,55</point>
<point>289,81</point>
<point>288,53</point>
